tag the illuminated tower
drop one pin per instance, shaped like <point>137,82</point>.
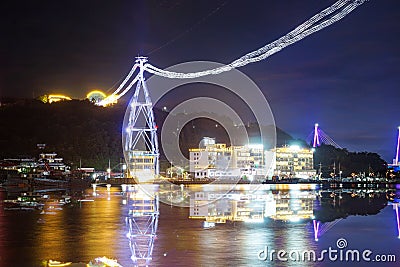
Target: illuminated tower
<point>316,137</point>
<point>396,159</point>
<point>140,136</point>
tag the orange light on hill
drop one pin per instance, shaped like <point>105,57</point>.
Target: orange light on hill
<point>96,94</point>
<point>56,98</point>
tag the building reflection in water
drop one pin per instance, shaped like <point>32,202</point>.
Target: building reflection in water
<point>320,209</point>
<point>292,205</point>
<point>142,222</point>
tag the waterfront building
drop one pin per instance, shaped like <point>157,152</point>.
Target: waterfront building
<point>18,167</point>
<point>141,164</point>
<point>216,160</point>
<point>293,162</point>
<point>48,164</point>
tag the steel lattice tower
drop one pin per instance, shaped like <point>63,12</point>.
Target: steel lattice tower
<point>140,139</point>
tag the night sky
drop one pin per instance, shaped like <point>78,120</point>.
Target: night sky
<point>345,77</point>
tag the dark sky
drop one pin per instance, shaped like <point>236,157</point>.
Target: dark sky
<point>345,77</point>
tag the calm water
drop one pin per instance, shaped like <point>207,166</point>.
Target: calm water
<point>365,219</point>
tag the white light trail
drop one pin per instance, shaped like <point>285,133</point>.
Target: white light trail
<point>339,10</point>
<point>114,96</point>
<point>126,79</point>
<point>326,17</point>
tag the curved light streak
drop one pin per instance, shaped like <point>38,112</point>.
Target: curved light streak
<point>323,19</point>
<point>339,10</point>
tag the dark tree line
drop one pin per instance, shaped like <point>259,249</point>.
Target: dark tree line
<point>332,159</point>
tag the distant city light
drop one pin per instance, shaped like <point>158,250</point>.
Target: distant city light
<point>96,95</point>
<point>295,148</point>
<point>256,146</point>
<point>56,98</point>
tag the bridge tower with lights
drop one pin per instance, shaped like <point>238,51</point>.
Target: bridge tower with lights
<point>396,159</point>
<point>396,164</point>
<point>318,137</point>
<point>140,135</point>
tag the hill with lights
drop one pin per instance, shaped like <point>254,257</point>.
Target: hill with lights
<point>82,132</point>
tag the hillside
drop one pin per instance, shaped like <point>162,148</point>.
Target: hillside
<point>82,132</point>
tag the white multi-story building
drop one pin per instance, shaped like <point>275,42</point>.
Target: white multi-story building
<point>215,160</point>
<point>293,161</point>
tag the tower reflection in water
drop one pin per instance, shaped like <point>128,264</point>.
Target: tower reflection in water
<point>142,222</point>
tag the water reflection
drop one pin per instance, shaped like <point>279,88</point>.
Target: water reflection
<point>90,226</point>
<point>133,227</point>
<point>2,226</point>
<point>287,205</point>
<point>321,209</point>
<point>142,221</point>
<point>341,203</point>
<point>396,208</point>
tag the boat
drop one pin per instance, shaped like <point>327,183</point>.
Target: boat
<point>52,263</point>
<point>20,204</point>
